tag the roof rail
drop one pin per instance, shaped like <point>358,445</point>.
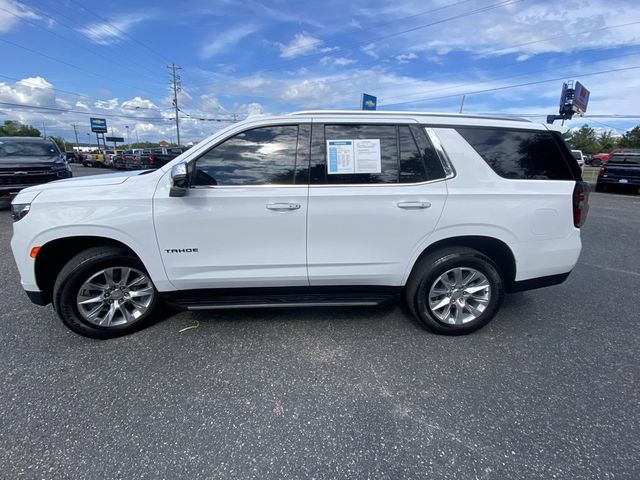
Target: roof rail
<point>407,113</point>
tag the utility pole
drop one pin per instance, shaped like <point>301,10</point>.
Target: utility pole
<point>176,89</point>
<point>44,129</point>
<point>462,103</point>
<point>75,131</point>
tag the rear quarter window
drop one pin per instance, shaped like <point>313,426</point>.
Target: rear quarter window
<point>519,154</point>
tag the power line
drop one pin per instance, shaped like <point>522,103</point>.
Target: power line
<point>68,110</point>
<point>72,65</point>
<point>135,64</point>
<point>378,25</point>
<point>554,68</point>
<point>79,95</point>
<point>342,80</point>
<point>500,4</point>
<point>511,86</point>
<point>155,52</point>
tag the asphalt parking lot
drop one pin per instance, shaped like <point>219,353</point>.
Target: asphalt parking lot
<point>549,389</point>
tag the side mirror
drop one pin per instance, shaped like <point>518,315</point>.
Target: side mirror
<point>179,180</point>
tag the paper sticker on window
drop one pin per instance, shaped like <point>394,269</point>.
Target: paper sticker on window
<point>340,156</point>
<point>354,156</point>
<point>367,155</point>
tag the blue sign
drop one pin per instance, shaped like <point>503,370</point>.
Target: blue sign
<point>369,102</point>
<point>98,125</point>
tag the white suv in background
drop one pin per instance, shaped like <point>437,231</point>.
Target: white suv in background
<point>313,208</point>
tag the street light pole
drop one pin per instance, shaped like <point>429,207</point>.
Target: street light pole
<point>128,137</point>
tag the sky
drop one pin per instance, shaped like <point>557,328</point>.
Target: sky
<point>80,58</point>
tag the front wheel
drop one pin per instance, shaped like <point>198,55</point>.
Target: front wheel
<point>105,292</point>
<point>455,291</point>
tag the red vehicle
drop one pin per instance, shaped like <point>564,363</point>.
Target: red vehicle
<point>601,158</point>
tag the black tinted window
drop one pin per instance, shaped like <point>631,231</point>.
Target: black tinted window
<point>411,164</point>
<point>432,163</point>
<point>388,152</point>
<point>260,156</point>
<point>519,154</point>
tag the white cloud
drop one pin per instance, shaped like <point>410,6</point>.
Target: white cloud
<point>226,39</point>
<point>338,61</point>
<point>11,12</point>
<point>107,104</point>
<point>250,109</point>
<point>369,49</point>
<point>522,28</point>
<point>111,32</point>
<point>406,57</point>
<point>301,44</point>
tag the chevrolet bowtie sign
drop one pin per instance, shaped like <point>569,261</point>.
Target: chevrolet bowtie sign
<point>98,125</point>
<point>369,102</point>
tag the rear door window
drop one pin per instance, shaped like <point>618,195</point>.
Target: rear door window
<point>393,154</point>
<point>519,154</point>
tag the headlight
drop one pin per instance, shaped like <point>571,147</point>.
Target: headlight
<point>19,210</point>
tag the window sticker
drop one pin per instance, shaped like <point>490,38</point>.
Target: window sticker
<point>354,156</point>
<point>367,155</point>
<point>340,156</point>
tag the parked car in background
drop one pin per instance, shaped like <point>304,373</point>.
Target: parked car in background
<point>109,157</point>
<point>577,154</point>
<point>160,156</point>
<point>621,170</point>
<point>72,157</point>
<point>132,161</point>
<point>27,161</point>
<point>94,159</point>
<point>119,161</point>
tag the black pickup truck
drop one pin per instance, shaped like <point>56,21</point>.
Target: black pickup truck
<point>621,170</point>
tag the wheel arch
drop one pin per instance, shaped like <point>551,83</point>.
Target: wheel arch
<point>494,248</point>
<point>55,254</point>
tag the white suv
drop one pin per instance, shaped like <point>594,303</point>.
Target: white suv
<point>313,208</point>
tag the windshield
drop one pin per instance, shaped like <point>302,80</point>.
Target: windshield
<point>576,155</point>
<point>27,149</point>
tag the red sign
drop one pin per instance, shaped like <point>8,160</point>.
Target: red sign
<point>580,98</point>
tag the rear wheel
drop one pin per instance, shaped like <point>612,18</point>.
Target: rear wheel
<point>105,292</point>
<point>455,291</point>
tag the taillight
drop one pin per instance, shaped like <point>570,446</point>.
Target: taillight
<point>152,159</point>
<point>601,172</point>
<point>580,203</point>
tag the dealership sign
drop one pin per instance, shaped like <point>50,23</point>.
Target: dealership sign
<point>98,125</point>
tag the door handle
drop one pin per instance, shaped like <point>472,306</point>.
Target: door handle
<point>283,206</point>
<point>413,205</point>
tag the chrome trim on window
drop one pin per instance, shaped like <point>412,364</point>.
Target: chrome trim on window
<point>442,154</point>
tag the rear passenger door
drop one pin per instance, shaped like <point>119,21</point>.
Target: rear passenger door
<point>371,206</point>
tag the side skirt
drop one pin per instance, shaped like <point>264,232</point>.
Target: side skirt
<point>231,298</point>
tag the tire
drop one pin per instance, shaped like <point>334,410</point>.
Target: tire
<point>600,187</point>
<point>478,308</point>
<point>116,314</point>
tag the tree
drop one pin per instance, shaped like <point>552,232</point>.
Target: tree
<point>631,138</point>
<point>607,142</point>
<point>584,139</point>
<point>61,143</point>
<point>11,128</point>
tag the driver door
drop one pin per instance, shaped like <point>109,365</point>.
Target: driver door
<point>243,221</point>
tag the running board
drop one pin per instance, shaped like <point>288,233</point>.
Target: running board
<point>257,298</point>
